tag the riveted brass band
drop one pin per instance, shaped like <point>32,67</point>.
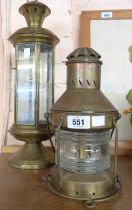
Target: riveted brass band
<point>57,116</point>
<point>83,187</point>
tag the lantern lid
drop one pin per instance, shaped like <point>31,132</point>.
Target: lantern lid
<point>34,13</point>
<point>80,100</point>
<point>32,35</point>
<point>84,55</point>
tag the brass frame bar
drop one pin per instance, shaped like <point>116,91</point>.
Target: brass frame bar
<point>116,149</point>
<point>58,148</point>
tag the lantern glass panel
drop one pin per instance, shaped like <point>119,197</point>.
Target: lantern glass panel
<point>25,84</point>
<point>86,153</point>
<point>34,82</point>
<point>46,80</point>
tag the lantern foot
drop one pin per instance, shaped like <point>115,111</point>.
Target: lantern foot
<point>32,156</point>
<point>90,203</point>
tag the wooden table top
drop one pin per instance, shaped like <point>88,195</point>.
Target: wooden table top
<point>26,190</point>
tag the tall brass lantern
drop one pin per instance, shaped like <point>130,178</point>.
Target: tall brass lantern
<point>85,120</point>
<point>34,92</point>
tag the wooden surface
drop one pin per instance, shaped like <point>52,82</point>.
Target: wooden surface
<point>25,190</point>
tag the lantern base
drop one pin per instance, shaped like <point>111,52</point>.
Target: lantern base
<point>91,188</point>
<point>32,156</point>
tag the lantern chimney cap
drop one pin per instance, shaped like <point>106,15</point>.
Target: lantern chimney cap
<point>84,55</point>
<point>34,13</point>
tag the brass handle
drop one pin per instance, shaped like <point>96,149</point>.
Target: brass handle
<point>91,203</point>
<point>58,147</point>
<point>49,132</point>
<point>116,148</point>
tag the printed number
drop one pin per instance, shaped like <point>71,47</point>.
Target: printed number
<point>106,14</point>
<point>78,122</point>
<point>75,122</point>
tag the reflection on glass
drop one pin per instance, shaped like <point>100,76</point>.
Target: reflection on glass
<point>25,51</point>
<point>46,80</point>
<point>34,82</point>
<point>25,85</point>
<point>84,152</point>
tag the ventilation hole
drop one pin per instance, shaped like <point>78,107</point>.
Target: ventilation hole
<point>94,82</point>
<point>88,82</point>
<point>76,193</point>
<point>93,193</point>
<point>80,82</point>
<point>27,10</point>
<point>35,9</point>
<point>73,82</point>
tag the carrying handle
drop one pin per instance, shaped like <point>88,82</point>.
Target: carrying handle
<point>49,132</point>
<point>58,147</point>
<point>116,148</point>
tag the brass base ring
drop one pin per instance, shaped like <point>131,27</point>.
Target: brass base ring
<point>90,202</point>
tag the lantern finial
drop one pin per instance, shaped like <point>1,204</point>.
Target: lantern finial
<point>34,13</point>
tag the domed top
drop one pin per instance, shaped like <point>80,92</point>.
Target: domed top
<point>84,55</point>
<point>34,13</point>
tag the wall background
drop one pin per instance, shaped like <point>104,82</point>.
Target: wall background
<point>64,21</point>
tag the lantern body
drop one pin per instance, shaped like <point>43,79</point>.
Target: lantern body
<point>34,82</point>
<point>85,120</point>
<point>34,90</point>
<point>84,153</point>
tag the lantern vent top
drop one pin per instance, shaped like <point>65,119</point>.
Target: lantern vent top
<point>84,55</point>
<point>34,13</point>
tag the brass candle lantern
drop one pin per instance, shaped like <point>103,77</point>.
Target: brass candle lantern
<point>34,91</point>
<point>85,120</point>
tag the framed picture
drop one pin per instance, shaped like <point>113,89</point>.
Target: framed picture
<point>109,32</point>
<point>88,16</point>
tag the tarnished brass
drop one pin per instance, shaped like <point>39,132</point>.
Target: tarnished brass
<point>93,188</point>
<point>85,103</point>
<point>31,133</point>
<point>32,35</point>
<point>83,187</point>
<point>83,97</point>
<point>33,155</point>
<point>34,13</point>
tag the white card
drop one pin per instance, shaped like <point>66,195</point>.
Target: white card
<point>106,15</point>
<point>78,122</point>
<point>98,121</point>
